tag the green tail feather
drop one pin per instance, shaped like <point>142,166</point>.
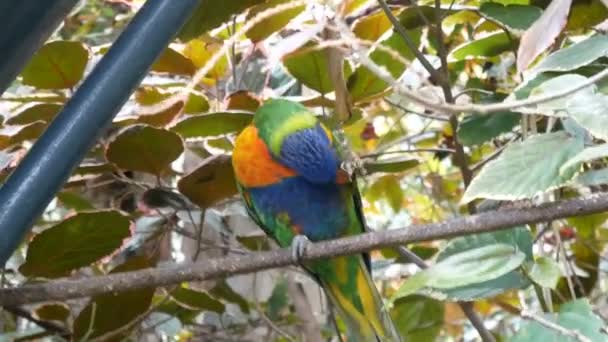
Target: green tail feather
<point>350,288</point>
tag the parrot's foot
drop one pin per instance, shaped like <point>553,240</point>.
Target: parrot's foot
<point>298,247</point>
<point>353,165</point>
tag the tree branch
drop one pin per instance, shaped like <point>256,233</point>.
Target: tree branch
<point>63,289</point>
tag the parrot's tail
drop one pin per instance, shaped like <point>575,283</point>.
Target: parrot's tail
<point>357,301</point>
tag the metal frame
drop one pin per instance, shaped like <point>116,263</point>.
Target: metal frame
<point>49,163</point>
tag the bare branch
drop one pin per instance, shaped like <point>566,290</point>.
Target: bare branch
<point>228,266</point>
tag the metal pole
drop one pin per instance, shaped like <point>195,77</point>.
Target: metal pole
<point>24,26</point>
<point>63,145</point>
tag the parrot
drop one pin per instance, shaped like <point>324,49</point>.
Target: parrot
<point>288,171</point>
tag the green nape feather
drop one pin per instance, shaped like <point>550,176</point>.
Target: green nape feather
<point>276,119</point>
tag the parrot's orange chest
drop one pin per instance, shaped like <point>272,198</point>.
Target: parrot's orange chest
<point>252,162</point>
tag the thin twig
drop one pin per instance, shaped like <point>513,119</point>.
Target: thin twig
<point>424,115</point>
<point>49,326</point>
<point>526,314</point>
<point>436,76</point>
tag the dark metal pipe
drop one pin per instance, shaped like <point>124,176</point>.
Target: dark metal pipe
<point>24,26</point>
<point>61,148</point>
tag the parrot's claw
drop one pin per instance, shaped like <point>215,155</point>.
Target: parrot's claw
<point>353,165</point>
<point>298,247</point>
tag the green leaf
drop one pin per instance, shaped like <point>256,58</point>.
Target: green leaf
<point>37,112</point>
<point>519,237</point>
<point>173,62</point>
<point>309,66</point>
<point>391,166</point>
<point>586,14</point>
<point>213,124</point>
<point>474,266</point>
<point>209,14</point>
<point>587,107</point>
<point>224,291</point>
<point>372,27</point>
<point>575,315</point>
<point>113,311</point>
<point>74,243</point>
<point>14,135</point>
<point>387,188</point>
<point>513,17</point>
<point>489,46</point>
<point>586,155</point>
<point>272,24</point>
<point>477,129</point>
<point>412,17</point>
<point>468,267</point>
<point>212,181</point>
<point>196,300</point>
<point>418,318</point>
<point>144,148</point>
<point>363,83</point>
<point>52,312</point>
<point>57,65</point>
<point>545,272</point>
<point>590,111</point>
<point>575,55</point>
<point>242,100</point>
<point>526,168</point>
<point>254,242</point>
<point>74,201</point>
<point>592,178</point>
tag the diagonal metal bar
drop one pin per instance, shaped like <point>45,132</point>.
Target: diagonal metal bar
<point>50,161</point>
<point>24,26</point>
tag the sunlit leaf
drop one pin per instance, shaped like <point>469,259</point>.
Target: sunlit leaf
<point>545,272</point>
<point>525,169</point>
<point>37,112</point>
<point>209,15</point>
<point>213,124</point>
<point>363,83</point>
<point>173,62</point>
<point>391,166</point>
<point>489,46</point>
<point>273,23</point>
<point>310,67</point>
<point>542,33</point>
<point>57,65</point>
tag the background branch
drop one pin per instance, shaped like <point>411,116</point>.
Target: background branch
<point>228,266</point>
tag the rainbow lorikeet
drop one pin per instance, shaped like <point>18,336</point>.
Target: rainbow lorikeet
<point>288,171</point>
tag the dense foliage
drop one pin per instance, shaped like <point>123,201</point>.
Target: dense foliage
<point>158,187</point>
